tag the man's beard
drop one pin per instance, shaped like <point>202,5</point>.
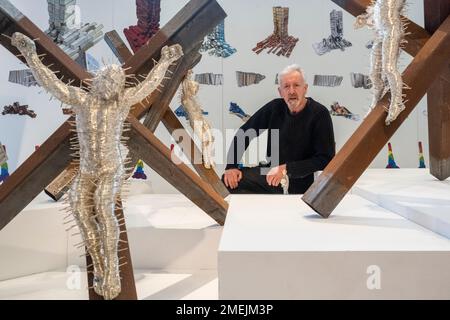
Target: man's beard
<point>294,102</point>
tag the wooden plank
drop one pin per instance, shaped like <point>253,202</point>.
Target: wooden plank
<point>372,135</point>
<point>117,46</point>
<point>438,99</point>
<point>416,39</point>
<point>158,156</point>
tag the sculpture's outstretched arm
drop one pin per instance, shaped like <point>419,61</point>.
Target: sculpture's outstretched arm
<point>136,94</point>
<point>67,94</point>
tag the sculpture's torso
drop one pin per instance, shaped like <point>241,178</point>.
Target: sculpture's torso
<point>99,127</point>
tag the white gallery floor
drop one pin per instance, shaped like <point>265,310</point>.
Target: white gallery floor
<point>388,239</point>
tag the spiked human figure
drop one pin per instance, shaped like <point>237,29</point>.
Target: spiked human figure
<point>384,17</point>
<point>201,127</point>
<point>100,116</point>
<point>421,157</point>
<point>391,161</point>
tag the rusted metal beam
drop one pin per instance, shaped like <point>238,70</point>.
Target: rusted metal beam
<point>436,11</point>
<point>159,157</point>
<point>372,135</point>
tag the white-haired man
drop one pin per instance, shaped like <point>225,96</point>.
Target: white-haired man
<point>305,145</point>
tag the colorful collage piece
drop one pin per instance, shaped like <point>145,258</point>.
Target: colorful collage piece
<point>17,108</point>
<point>421,157</point>
<point>4,174</point>
<point>139,173</point>
<point>236,110</point>
<point>279,42</point>
<point>336,39</point>
<point>149,14</point>
<point>391,161</point>
<point>181,112</point>
<point>340,111</point>
<point>215,44</point>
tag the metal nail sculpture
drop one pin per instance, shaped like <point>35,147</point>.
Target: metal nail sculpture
<point>245,79</point>
<point>236,110</point>
<point>201,127</point>
<point>4,174</point>
<point>139,173</point>
<point>341,111</point>
<point>279,42</point>
<point>21,110</point>
<point>421,157</point>
<point>149,14</point>
<point>391,161</point>
<point>384,17</point>
<point>209,78</point>
<point>336,39</point>
<point>100,116</point>
<point>215,43</point>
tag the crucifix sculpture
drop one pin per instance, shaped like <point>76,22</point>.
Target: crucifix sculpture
<point>187,28</point>
<point>429,71</point>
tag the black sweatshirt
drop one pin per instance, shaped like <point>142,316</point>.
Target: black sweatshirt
<point>306,140</point>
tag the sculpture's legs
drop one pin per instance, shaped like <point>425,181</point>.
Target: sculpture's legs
<point>108,188</point>
<point>81,197</point>
<point>391,46</point>
<point>207,145</point>
<point>376,72</point>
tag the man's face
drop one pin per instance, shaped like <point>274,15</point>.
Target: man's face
<point>293,89</point>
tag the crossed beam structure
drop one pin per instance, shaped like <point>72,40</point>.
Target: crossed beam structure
<point>187,28</point>
<point>429,71</point>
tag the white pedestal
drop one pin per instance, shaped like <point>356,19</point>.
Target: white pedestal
<point>276,247</point>
<point>35,241</point>
<point>412,193</point>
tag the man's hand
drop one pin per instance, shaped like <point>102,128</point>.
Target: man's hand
<point>275,175</point>
<point>232,178</point>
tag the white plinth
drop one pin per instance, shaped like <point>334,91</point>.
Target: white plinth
<point>165,232</point>
<point>276,247</point>
<point>412,193</point>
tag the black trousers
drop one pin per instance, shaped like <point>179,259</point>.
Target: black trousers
<point>254,182</point>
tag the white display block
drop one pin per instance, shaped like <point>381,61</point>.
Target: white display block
<point>412,193</point>
<point>276,247</point>
<point>170,232</point>
<point>35,241</point>
<point>165,232</point>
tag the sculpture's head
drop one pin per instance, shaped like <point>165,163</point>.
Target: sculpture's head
<point>109,82</point>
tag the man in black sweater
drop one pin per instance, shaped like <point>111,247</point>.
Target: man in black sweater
<point>305,141</point>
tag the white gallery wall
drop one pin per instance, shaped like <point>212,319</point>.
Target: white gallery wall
<point>248,22</point>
